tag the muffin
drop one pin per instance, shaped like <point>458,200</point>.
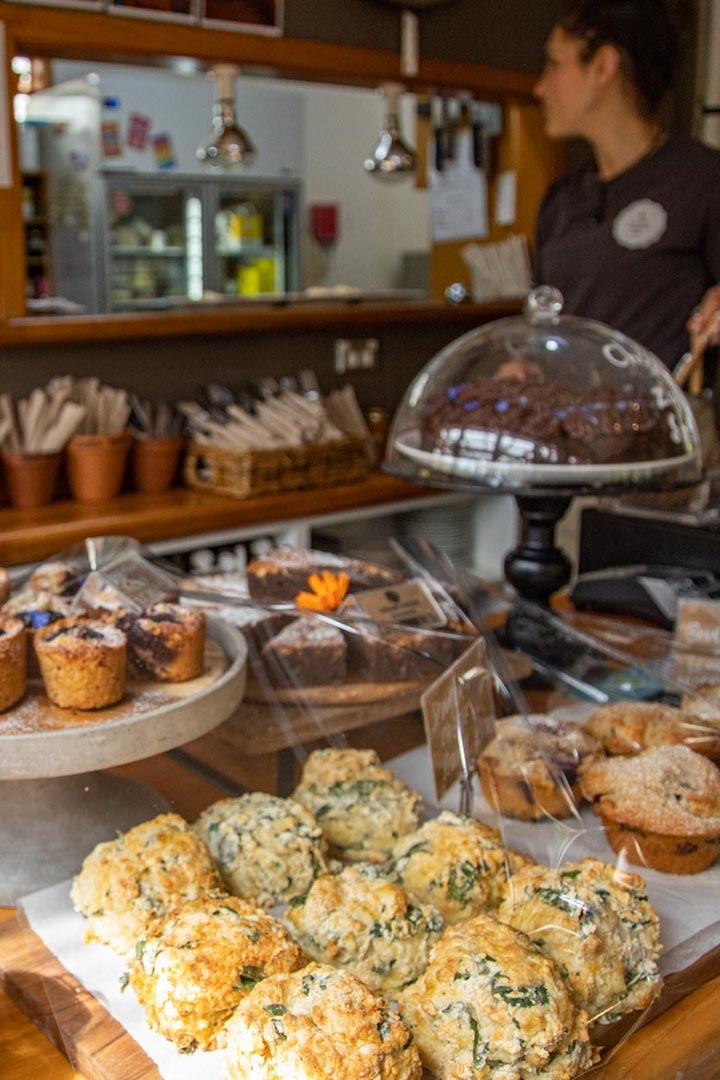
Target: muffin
<point>531,768</point>
<point>141,875</point>
<point>364,922</point>
<point>36,610</point>
<point>491,1005</point>
<point>599,927</point>
<point>318,1024</point>
<point>703,703</point>
<point>457,864</point>
<point>266,848</point>
<point>361,807</point>
<point>627,727</point>
<point>83,663</point>
<point>56,578</point>
<point>660,807</point>
<point>5,586</point>
<point>166,642</point>
<point>13,662</point>
<point>194,966</point>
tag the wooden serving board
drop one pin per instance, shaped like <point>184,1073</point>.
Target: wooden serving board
<point>102,1050</point>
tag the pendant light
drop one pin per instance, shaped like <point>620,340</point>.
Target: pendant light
<point>228,146</point>
<point>392,159</point>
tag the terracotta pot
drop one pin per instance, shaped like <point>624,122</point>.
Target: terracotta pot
<point>154,462</point>
<point>96,465</point>
<point>30,478</point>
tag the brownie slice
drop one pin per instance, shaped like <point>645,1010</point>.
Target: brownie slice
<point>395,654</point>
<point>281,574</point>
<point>308,652</point>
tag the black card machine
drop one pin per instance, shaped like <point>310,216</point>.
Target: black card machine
<point>645,592</point>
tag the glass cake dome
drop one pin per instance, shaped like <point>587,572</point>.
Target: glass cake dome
<point>545,400</point>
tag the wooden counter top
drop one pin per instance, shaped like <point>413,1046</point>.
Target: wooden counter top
<point>30,535</point>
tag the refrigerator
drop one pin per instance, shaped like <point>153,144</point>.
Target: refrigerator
<point>172,239</point>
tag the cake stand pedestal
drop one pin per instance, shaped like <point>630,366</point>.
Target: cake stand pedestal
<point>537,568</point>
<point>55,806</point>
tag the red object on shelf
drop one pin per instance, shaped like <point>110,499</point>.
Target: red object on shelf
<point>325,222</point>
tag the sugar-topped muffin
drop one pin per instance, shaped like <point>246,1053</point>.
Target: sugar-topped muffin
<point>83,663</point>
<point>660,807</point>
<point>13,662</point>
<point>194,966</point>
<point>457,864</point>
<point>266,848</point>
<point>599,927</point>
<point>318,1024</point>
<point>141,875</point>
<point>531,768</point>
<point>491,1005</point>
<point>627,727</point>
<point>361,807</point>
<point>364,922</point>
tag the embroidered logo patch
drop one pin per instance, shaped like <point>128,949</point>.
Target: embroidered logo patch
<point>640,225</point>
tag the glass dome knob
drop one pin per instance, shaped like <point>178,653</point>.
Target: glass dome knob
<point>544,304</point>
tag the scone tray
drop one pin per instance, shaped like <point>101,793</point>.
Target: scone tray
<point>71,990</point>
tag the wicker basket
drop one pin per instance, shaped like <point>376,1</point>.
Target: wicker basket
<point>245,474</point>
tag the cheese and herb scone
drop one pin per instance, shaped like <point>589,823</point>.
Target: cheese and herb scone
<point>266,848</point>
<point>193,968</point>
<point>362,808</point>
<point>491,1005</point>
<point>141,875</point>
<point>318,1024</point>
<point>363,921</point>
<point>457,864</point>
<point>599,927</point>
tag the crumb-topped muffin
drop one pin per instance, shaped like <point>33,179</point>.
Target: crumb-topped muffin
<point>660,807</point>
<point>361,807</point>
<point>37,608</point>
<point>194,966</point>
<point>364,922</point>
<point>490,1004</point>
<point>166,642</point>
<point>531,768</point>
<point>627,727</point>
<point>266,848</point>
<point>54,577</point>
<point>599,927</point>
<point>5,586</point>
<point>13,661</point>
<point>141,875</point>
<point>83,663</point>
<point>457,864</point>
<point>318,1024</point>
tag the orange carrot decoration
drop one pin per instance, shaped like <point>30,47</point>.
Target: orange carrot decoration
<point>328,591</point>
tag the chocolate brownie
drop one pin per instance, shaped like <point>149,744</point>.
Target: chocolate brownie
<point>308,652</point>
<point>281,574</point>
<point>537,420</point>
<point>384,653</point>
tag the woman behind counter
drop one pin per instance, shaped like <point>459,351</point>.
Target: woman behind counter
<point>635,241</point>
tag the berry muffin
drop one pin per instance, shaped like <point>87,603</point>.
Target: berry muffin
<point>531,769</point>
<point>660,807</point>
<point>364,922</point>
<point>194,966</point>
<point>318,1024</point>
<point>491,1005</point>
<point>599,927</point>
<point>166,642</point>
<point>141,875</point>
<point>457,864</point>
<point>627,727</point>
<point>266,848</point>
<point>13,662</point>
<point>5,586</point>
<point>361,807</point>
<point>83,663</point>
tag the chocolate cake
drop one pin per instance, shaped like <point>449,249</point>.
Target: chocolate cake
<point>282,573</point>
<point>542,421</point>
<point>308,652</point>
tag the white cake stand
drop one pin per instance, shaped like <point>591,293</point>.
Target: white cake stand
<point>54,807</point>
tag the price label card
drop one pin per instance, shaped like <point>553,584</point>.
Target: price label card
<point>696,656</point>
<point>410,602</point>
<point>459,716</point>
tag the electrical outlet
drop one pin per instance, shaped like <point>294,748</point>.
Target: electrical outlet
<point>356,354</point>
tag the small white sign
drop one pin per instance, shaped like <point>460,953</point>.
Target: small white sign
<point>458,195</point>
<point>506,197</point>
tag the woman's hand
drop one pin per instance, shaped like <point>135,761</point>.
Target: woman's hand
<point>705,319</point>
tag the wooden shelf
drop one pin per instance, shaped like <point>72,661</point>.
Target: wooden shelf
<point>31,535</point>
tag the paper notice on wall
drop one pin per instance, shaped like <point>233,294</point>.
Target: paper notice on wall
<point>505,197</point>
<point>163,151</point>
<point>5,152</point>
<point>138,133</point>
<point>458,195</point>
<point>110,136</point>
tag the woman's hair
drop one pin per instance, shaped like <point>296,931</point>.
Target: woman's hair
<point>641,30</point>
